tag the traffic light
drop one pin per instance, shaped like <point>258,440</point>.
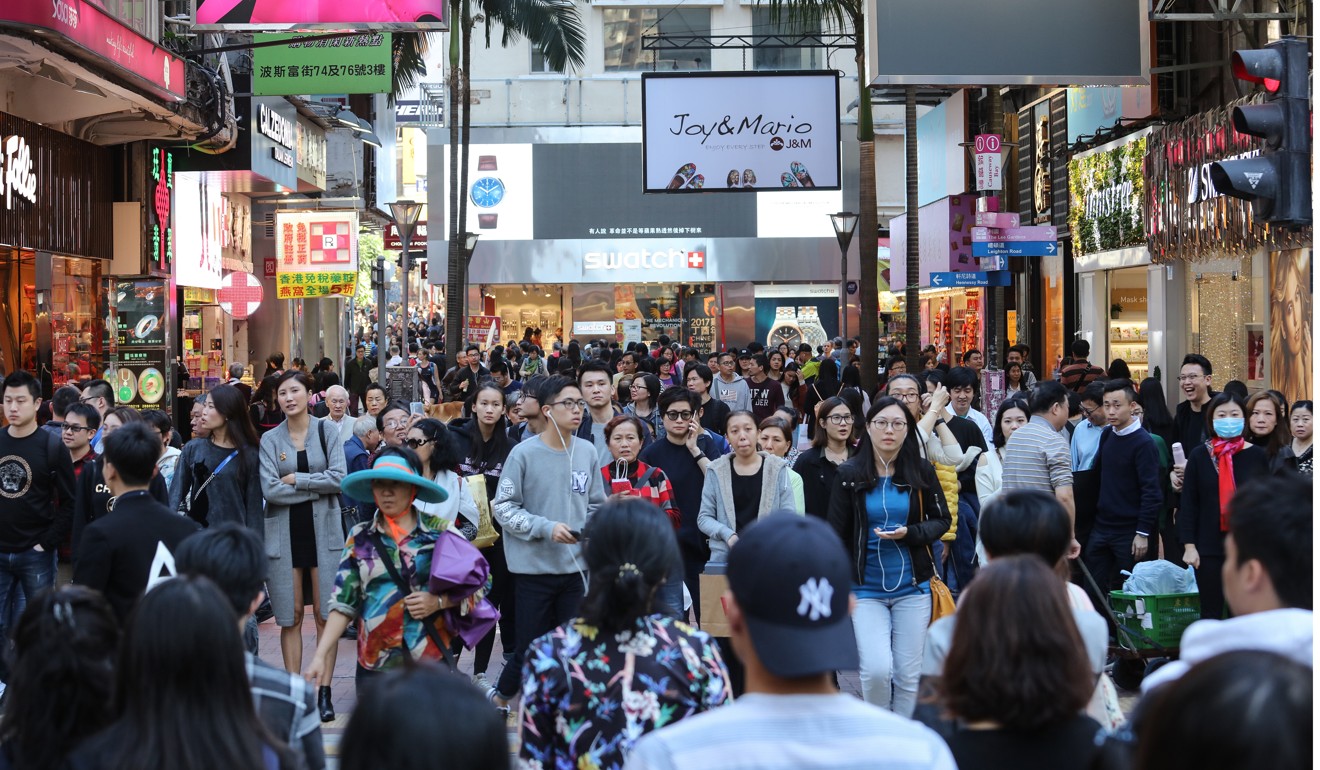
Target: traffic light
<point>1278,181</point>
<point>378,274</point>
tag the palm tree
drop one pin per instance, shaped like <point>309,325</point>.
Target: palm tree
<point>555,29</point>
<point>841,14</point>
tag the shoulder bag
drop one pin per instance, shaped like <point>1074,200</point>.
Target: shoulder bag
<point>190,499</point>
<point>486,532</point>
<point>428,623</point>
<point>941,598</point>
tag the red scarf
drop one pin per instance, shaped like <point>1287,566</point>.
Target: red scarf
<point>1223,450</point>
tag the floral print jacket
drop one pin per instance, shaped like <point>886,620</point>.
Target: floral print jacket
<point>588,696</point>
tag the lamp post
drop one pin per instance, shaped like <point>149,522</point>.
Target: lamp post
<point>406,213</point>
<point>469,246</point>
<point>845,224</point>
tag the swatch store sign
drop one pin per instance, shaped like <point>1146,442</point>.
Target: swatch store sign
<point>657,262</point>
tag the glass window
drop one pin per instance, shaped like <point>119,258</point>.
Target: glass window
<point>782,58</point>
<point>1222,324</point>
<point>625,28</point>
<point>77,324</point>
<point>18,329</point>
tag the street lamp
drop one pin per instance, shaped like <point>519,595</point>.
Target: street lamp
<point>845,224</point>
<point>406,213</point>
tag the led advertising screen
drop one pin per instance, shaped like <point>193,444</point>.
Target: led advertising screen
<point>326,15</point>
<point>740,132</point>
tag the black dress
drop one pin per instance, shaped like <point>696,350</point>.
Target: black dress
<point>302,530</point>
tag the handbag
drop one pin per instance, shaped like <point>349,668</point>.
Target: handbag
<point>941,598</point>
<point>487,535</point>
<point>428,622</point>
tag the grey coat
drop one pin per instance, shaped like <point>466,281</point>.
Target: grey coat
<point>718,519</point>
<point>279,457</point>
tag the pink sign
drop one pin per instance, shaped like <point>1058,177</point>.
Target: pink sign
<point>96,32</point>
<point>1014,234</point>
<point>294,15</point>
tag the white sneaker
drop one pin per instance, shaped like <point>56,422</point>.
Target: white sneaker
<point>481,681</point>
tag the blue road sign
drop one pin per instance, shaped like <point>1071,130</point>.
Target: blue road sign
<point>947,280</point>
<point>1015,249</point>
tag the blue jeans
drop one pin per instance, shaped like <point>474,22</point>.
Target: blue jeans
<point>669,596</point>
<point>891,639</point>
<point>962,560</point>
<point>30,570</point>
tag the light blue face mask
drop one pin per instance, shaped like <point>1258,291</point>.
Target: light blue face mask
<point>1229,427</point>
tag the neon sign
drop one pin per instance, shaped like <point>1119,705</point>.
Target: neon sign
<point>162,235</point>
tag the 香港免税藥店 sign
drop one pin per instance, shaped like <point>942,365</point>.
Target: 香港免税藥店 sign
<point>315,254</point>
<point>740,132</point>
<point>360,64</point>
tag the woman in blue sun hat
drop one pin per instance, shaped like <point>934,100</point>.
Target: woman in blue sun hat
<point>381,556</point>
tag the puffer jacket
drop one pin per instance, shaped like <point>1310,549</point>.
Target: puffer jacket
<point>928,517</point>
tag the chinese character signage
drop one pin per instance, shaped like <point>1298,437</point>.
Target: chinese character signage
<point>158,212</point>
<point>346,65</point>
<point>315,254</point>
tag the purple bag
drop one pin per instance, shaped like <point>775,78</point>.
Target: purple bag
<point>458,570</point>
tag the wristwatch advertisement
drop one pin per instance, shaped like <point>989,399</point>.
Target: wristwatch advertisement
<point>487,193</point>
<point>785,329</point>
<point>813,333</point>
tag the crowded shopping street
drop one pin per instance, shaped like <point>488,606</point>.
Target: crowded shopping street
<point>586,456</point>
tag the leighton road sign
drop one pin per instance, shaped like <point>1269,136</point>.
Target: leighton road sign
<point>995,278</point>
<point>1014,234</point>
<point>1018,249</point>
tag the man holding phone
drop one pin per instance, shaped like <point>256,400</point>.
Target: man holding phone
<point>683,455</point>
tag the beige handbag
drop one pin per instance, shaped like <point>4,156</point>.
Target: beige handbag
<point>486,534</point>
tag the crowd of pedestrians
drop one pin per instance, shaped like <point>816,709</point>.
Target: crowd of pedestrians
<point>577,507</point>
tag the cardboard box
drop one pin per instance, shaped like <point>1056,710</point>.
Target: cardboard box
<point>713,619</point>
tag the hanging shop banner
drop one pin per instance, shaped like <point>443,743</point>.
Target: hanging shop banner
<point>298,15</point>
<point>1105,191</point>
<point>1291,289</point>
<point>315,254</point>
<point>342,65</point>
<point>198,218</point>
<point>483,330</point>
<point>740,132</point>
<point>1186,218</point>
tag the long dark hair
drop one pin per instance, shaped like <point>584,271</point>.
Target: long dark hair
<point>821,440</point>
<point>229,403</point>
<point>997,430</point>
<point>409,701</point>
<point>1280,437</point>
<point>182,692</point>
<point>1219,400</point>
<point>1027,521</point>
<point>1016,657</point>
<point>630,550</point>
<point>1155,417</point>
<point>62,681</point>
<point>488,454</point>
<point>908,465</point>
<point>652,384</point>
<point>444,450</point>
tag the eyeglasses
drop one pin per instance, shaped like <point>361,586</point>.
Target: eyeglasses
<point>74,428</point>
<point>575,404</point>
<point>1189,377</point>
<point>1087,412</point>
<point>417,443</point>
<point>394,424</point>
<point>679,416</point>
<point>905,396</point>
<point>840,419</point>
<point>884,425</point>
<point>56,424</point>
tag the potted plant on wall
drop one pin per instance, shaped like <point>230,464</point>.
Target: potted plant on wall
<point>1114,311</point>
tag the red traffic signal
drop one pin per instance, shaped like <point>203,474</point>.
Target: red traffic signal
<point>1265,67</point>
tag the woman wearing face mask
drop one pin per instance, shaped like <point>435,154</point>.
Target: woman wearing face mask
<point>1296,456</point>
<point>889,510</point>
<point>302,465</point>
<point>1266,426</point>
<point>392,627</point>
<point>627,476</point>
<point>436,448</point>
<point>831,447</point>
<point>1215,470</point>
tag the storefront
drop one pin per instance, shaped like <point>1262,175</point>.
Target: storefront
<point>702,270</point>
<point>1243,291</point>
<point>56,198</point>
<point>1122,296</point>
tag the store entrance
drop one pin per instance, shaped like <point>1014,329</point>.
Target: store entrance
<point>18,329</point>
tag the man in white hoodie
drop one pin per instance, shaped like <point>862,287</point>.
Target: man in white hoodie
<point>1267,580</point>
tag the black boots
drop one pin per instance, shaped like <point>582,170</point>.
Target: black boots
<point>323,703</point>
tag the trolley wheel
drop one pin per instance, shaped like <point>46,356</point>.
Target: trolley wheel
<point>1128,673</point>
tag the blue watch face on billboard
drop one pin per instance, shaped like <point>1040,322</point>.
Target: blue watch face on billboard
<point>487,192</point>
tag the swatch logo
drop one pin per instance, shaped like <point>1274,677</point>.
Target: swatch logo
<point>644,259</point>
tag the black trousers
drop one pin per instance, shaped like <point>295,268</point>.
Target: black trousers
<point>501,595</point>
<point>544,602</point>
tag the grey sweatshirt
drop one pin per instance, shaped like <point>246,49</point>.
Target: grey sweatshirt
<point>736,394</point>
<point>535,493</point>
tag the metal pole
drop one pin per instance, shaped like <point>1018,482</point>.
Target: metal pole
<point>403,306</point>
<point>382,344</point>
<point>843,294</point>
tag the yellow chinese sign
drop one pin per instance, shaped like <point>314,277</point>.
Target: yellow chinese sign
<point>311,285</point>
<point>315,254</point>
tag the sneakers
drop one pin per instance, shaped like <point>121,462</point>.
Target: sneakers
<point>481,681</point>
<point>494,697</point>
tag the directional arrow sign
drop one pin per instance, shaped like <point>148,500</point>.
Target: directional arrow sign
<point>1018,249</point>
<point>1014,234</point>
<point>946,280</point>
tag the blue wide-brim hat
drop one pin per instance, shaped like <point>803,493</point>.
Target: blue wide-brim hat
<point>392,467</point>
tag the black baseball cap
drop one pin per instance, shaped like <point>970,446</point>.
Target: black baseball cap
<point>790,576</point>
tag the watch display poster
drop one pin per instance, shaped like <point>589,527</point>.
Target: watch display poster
<point>796,315</point>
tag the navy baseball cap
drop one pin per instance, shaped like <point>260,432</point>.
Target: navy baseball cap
<point>790,576</point>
